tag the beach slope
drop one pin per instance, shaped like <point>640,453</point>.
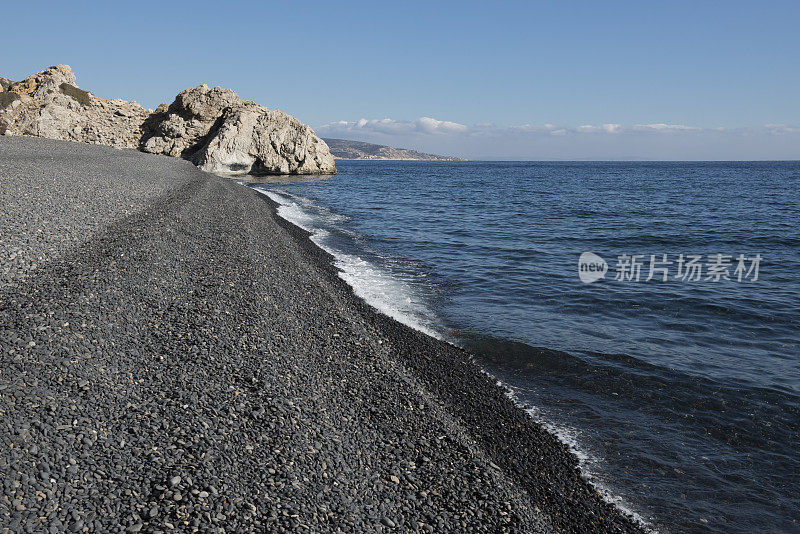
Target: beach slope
<point>176,357</point>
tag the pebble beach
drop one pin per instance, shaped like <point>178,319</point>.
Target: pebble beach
<point>175,357</point>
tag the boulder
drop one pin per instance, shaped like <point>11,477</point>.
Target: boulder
<point>180,129</point>
<point>254,140</point>
<point>223,134</point>
<point>50,104</point>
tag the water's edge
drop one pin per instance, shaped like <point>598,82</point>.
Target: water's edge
<point>348,267</point>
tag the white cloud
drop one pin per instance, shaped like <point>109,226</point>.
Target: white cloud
<point>661,127</point>
<point>430,126</point>
<point>530,128</point>
<point>587,141</point>
<point>779,129</point>
<point>423,125</point>
<point>603,128</point>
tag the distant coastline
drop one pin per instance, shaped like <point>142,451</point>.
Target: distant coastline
<point>359,150</point>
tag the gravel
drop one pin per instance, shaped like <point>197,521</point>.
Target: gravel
<point>175,357</point>
<point>53,194</point>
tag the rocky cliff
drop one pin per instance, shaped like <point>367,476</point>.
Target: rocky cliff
<point>213,128</point>
<point>49,104</point>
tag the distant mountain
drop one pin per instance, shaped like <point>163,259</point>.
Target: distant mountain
<point>345,149</point>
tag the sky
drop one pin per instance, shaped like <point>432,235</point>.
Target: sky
<point>640,79</point>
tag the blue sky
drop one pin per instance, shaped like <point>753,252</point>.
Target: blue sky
<point>512,80</point>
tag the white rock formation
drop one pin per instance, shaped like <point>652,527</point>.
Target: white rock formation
<point>223,134</point>
<point>211,127</point>
<point>49,104</point>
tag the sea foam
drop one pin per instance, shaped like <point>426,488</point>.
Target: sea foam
<point>373,283</point>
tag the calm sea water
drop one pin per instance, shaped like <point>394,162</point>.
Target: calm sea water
<point>682,398</point>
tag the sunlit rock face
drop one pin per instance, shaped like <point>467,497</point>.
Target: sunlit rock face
<point>211,127</point>
<point>223,134</point>
<point>50,104</point>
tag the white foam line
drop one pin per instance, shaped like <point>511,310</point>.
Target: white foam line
<point>290,211</point>
<point>377,287</point>
<point>569,437</point>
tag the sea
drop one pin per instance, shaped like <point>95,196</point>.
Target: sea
<point>647,313</point>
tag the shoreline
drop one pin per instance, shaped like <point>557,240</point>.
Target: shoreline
<point>465,364</point>
<point>203,291</point>
<point>383,308</point>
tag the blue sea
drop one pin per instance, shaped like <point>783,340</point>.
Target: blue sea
<point>681,396</point>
